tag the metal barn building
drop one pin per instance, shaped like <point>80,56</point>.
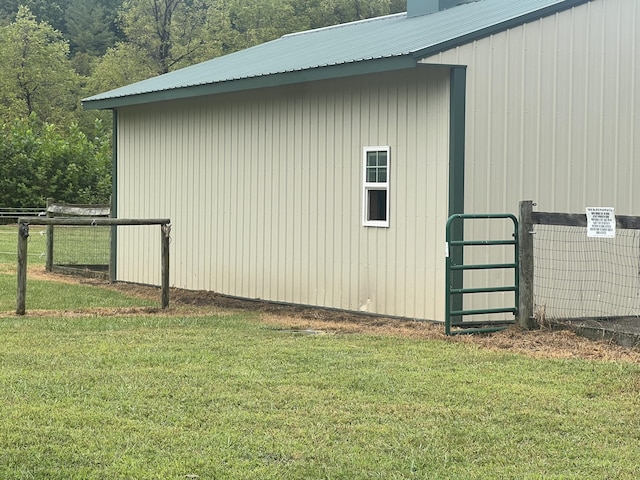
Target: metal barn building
<point>320,168</point>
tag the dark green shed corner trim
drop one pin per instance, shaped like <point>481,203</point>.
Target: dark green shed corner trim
<point>458,79</point>
<point>457,108</point>
<point>114,198</point>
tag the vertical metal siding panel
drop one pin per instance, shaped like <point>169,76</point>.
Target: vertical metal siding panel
<point>298,189</point>
<point>349,200</point>
<point>201,214</point>
<point>419,163</point>
<point>432,158</point>
<point>338,201</point>
<point>497,107</point>
<point>513,128</point>
<point>251,215</point>
<point>546,110</point>
<point>320,203</point>
<point>241,177</point>
<point>265,194</point>
<point>231,233</point>
<point>223,174</point>
<point>354,153</point>
<point>481,122</point>
<point>269,199</point>
<point>630,126</point>
<point>134,261</point>
<point>188,194</point>
<point>285,251</point>
<point>611,108</point>
<point>595,102</point>
<point>127,150</point>
<point>635,102</point>
<point>263,228</point>
<point>578,80</point>
<point>242,198</point>
<point>208,208</point>
<point>308,196</point>
<point>572,78</point>
<point>404,192</point>
<point>570,56</point>
<point>578,98</point>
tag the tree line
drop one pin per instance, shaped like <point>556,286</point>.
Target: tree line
<point>55,52</point>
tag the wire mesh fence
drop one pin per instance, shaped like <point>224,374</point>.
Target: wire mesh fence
<point>83,246</point>
<point>578,277</point>
<point>9,244</point>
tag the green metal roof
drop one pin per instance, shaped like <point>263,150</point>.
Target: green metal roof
<point>379,44</point>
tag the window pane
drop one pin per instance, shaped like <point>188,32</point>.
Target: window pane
<point>382,159</point>
<point>377,205</point>
<point>376,175</point>
<point>372,159</point>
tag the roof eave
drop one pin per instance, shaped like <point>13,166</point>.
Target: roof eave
<point>276,80</point>
<point>497,28</point>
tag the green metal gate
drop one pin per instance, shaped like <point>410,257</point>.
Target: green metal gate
<point>454,311</point>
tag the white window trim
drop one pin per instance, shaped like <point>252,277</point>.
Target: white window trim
<point>367,186</point>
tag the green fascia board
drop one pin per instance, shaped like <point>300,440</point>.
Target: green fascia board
<point>266,81</point>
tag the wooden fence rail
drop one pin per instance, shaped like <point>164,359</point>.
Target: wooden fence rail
<point>23,235</point>
<point>13,213</point>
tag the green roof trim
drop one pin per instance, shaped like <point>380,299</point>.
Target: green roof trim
<point>388,43</point>
<point>243,84</point>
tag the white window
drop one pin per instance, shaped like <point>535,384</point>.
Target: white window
<point>375,187</point>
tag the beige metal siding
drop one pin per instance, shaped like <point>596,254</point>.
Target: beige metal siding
<point>552,113</point>
<point>264,191</point>
<point>552,116</point>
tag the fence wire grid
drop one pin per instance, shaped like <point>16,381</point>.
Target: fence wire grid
<point>9,243</point>
<point>580,277</point>
<point>81,245</point>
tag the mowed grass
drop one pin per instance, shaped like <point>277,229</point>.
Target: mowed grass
<point>36,246</point>
<point>226,397</point>
<point>45,294</point>
<point>55,296</point>
<point>215,396</point>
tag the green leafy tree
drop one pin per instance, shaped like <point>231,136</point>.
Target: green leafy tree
<point>259,21</point>
<point>39,161</point>
<point>36,74</point>
<point>237,24</point>
<point>89,28</point>
<point>121,65</point>
<point>322,13</point>
<point>49,11</point>
<point>170,31</point>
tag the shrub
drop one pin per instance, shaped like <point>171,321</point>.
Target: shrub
<point>40,161</point>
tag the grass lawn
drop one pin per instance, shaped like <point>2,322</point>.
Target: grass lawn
<point>36,248</point>
<point>191,393</point>
<point>229,397</point>
<point>50,294</point>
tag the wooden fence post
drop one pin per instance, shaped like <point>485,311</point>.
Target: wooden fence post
<point>49,258</point>
<point>526,317</point>
<point>166,236</point>
<point>23,235</point>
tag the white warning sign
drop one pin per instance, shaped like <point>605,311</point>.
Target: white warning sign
<point>601,222</point>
